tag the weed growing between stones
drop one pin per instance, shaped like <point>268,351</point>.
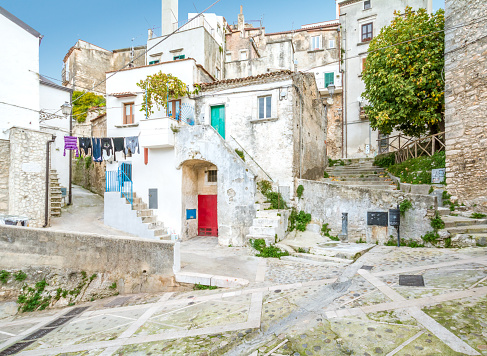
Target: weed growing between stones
<point>406,243</point>
<point>299,191</point>
<point>405,206</point>
<point>19,276</point>
<point>360,241</point>
<point>326,175</point>
<point>4,276</point>
<point>298,221</point>
<point>31,299</point>
<point>275,198</point>
<point>477,216</point>
<point>113,286</point>
<point>302,250</point>
<point>267,251</point>
<point>240,154</point>
<point>432,237</point>
<point>325,231</point>
<point>437,222</point>
<point>203,287</point>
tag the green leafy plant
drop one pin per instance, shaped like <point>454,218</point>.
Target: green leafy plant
<point>298,221</point>
<point>203,287</point>
<point>477,216</point>
<point>240,154</point>
<point>264,186</point>
<point>88,161</point>
<point>326,175</point>
<point>431,190</point>
<point>161,87</point>
<point>325,231</point>
<point>431,237</point>
<point>93,276</point>
<point>267,251</point>
<point>83,101</point>
<point>302,250</point>
<point>385,160</point>
<point>437,222</point>
<point>404,206</point>
<point>299,191</point>
<point>403,83</point>
<point>31,299</point>
<point>335,162</point>
<point>276,200</point>
<point>4,276</point>
<point>20,276</point>
<point>360,241</point>
<point>418,170</point>
<point>113,286</point>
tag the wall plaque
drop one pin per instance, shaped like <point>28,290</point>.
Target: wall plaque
<point>377,218</point>
<point>438,175</point>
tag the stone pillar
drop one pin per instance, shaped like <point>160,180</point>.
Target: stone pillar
<point>4,174</point>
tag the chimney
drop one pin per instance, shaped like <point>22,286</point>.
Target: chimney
<point>150,34</point>
<point>241,22</point>
<point>169,16</point>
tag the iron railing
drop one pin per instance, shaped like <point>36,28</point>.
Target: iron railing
<point>119,181</point>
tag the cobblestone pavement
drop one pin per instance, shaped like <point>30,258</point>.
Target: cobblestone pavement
<point>289,308</point>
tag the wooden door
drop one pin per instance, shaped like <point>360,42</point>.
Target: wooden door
<point>207,215</point>
<point>218,119</point>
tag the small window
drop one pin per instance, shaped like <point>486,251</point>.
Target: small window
<point>367,4</point>
<point>212,176</point>
<point>181,56</point>
<point>128,113</point>
<point>329,79</point>
<point>315,43</point>
<point>367,32</point>
<point>331,44</point>
<point>244,55</point>
<point>265,107</point>
<point>228,57</point>
<point>153,62</point>
<point>174,109</point>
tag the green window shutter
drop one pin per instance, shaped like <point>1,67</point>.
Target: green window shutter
<point>329,79</point>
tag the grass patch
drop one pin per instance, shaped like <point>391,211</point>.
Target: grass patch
<point>267,251</point>
<point>203,287</point>
<point>385,160</point>
<point>404,243</point>
<point>417,170</point>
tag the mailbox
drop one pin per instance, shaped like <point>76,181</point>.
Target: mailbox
<point>394,217</point>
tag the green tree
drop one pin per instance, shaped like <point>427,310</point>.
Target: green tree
<point>83,101</point>
<point>403,74</point>
<point>161,87</point>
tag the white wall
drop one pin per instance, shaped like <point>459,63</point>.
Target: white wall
<point>19,81</point>
<point>51,100</point>
<point>352,16</point>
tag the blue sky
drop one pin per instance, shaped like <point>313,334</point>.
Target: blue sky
<point>113,24</point>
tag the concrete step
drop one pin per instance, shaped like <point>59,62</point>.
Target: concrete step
<point>364,182</point>
<point>444,211</point>
<point>262,206</point>
<point>262,230</point>
<point>56,204</point>
<point>54,185</point>
<point>338,170</point>
<point>472,229</point>
<point>137,200</point>
<point>295,258</point>
<point>266,222</point>
<point>324,259</point>
<point>375,187</point>
<point>139,206</point>
<point>364,179</point>
<point>455,221</point>
<point>144,212</point>
<point>56,213</point>
<point>267,214</point>
<point>269,240</point>
<point>149,219</point>
<point>159,232</point>
<point>348,251</point>
<point>210,280</point>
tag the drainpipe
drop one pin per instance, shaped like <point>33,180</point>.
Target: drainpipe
<point>48,156</point>
<point>70,194</point>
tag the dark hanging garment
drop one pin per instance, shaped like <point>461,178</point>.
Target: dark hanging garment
<point>96,143</point>
<point>118,146</point>
<point>84,145</point>
<point>106,145</point>
<point>132,143</point>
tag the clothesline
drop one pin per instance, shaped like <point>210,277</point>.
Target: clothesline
<point>102,148</point>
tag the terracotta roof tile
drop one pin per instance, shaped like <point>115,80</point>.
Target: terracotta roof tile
<point>246,79</point>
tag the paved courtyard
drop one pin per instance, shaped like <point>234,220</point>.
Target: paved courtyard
<point>289,308</point>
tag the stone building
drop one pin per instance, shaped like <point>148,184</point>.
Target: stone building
<point>466,101</point>
<point>360,22</point>
<point>85,65</point>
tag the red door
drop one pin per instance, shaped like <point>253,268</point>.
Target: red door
<point>207,215</point>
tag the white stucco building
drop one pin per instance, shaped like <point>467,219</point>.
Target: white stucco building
<point>361,21</point>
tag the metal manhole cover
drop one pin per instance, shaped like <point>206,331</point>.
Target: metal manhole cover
<point>411,280</point>
<point>38,334</point>
<point>368,268</point>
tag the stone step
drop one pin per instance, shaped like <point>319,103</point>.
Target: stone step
<point>159,232</point>
<point>335,260</point>
<point>455,221</point>
<point>55,185</point>
<point>56,213</point>
<point>364,179</point>
<point>137,200</point>
<point>364,182</point>
<point>149,219</point>
<point>472,229</point>
<point>144,212</point>
<point>349,251</point>
<point>139,206</point>
<point>364,170</point>
<point>267,214</point>
<point>164,237</point>
<point>267,222</point>
<point>444,211</point>
<point>262,230</point>
<point>56,200</point>
<point>269,240</point>
<point>295,258</point>
<point>262,206</point>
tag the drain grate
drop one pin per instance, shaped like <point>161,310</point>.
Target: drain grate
<point>368,268</point>
<point>36,335</point>
<point>411,280</point>
<point>118,302</point>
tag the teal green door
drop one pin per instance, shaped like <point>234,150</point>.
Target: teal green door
<point>218,119</point>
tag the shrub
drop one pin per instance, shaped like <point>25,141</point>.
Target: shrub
<point>264,186</point>
<point>267,251</point>
<point>276,200</point>
<point>385,160</point>
<point>326,175</point>
<point>431,237</point>
<point>299,191</point>
<point>298,221</point>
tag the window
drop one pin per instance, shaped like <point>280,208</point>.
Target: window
<point>329,79</point>
<point>331,44</point>
<point>212,176</point>
<point>244,55</point>
<point>128,113</point>
<point>181,56</point>
<point>315,43</point>
<point>153,62</point>
<point>265,107</point>
<point>174,109</point>
<point>367,4</point>
<point>228,57</point>
<point>367,32</point>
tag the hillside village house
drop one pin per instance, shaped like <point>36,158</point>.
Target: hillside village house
<point>32,128</point>
<point>361,21</point>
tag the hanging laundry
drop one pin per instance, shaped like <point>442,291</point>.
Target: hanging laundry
<point>107,149</point>
<point>118,146</point>
<point>84,144</point>
<point>71,144</point>
<point>96,144</point>
<point>132,143</point>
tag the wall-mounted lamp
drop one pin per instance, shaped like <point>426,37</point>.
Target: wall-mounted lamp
<point>331,89</point>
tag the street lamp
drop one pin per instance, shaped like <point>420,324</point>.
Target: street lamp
<point>331,90</point>
<point>66,109</point>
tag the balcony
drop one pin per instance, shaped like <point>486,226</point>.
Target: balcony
<point>157,133</point>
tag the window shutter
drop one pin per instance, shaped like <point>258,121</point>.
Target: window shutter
<point>329,79</point>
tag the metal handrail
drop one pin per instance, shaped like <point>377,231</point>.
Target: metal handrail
<point>129,195</point>
<point>252,158</point>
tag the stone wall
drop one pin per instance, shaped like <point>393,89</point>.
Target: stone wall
<point>90,175</point>
<point>334,133</point>
<point>27,174</point>
<point>4,172</point>
<point>326,202</point>
<point>139,265</point>
<point>466,101</point>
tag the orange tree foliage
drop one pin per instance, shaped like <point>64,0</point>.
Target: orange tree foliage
<point>403,82</point>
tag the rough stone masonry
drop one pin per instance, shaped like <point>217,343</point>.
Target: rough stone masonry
<point>466,100</point>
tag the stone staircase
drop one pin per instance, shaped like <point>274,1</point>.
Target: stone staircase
<point>465,231</point>
<point>360,173</point>
<point>149,219</point>
<point>270,225</point>
<point>56,196</point>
